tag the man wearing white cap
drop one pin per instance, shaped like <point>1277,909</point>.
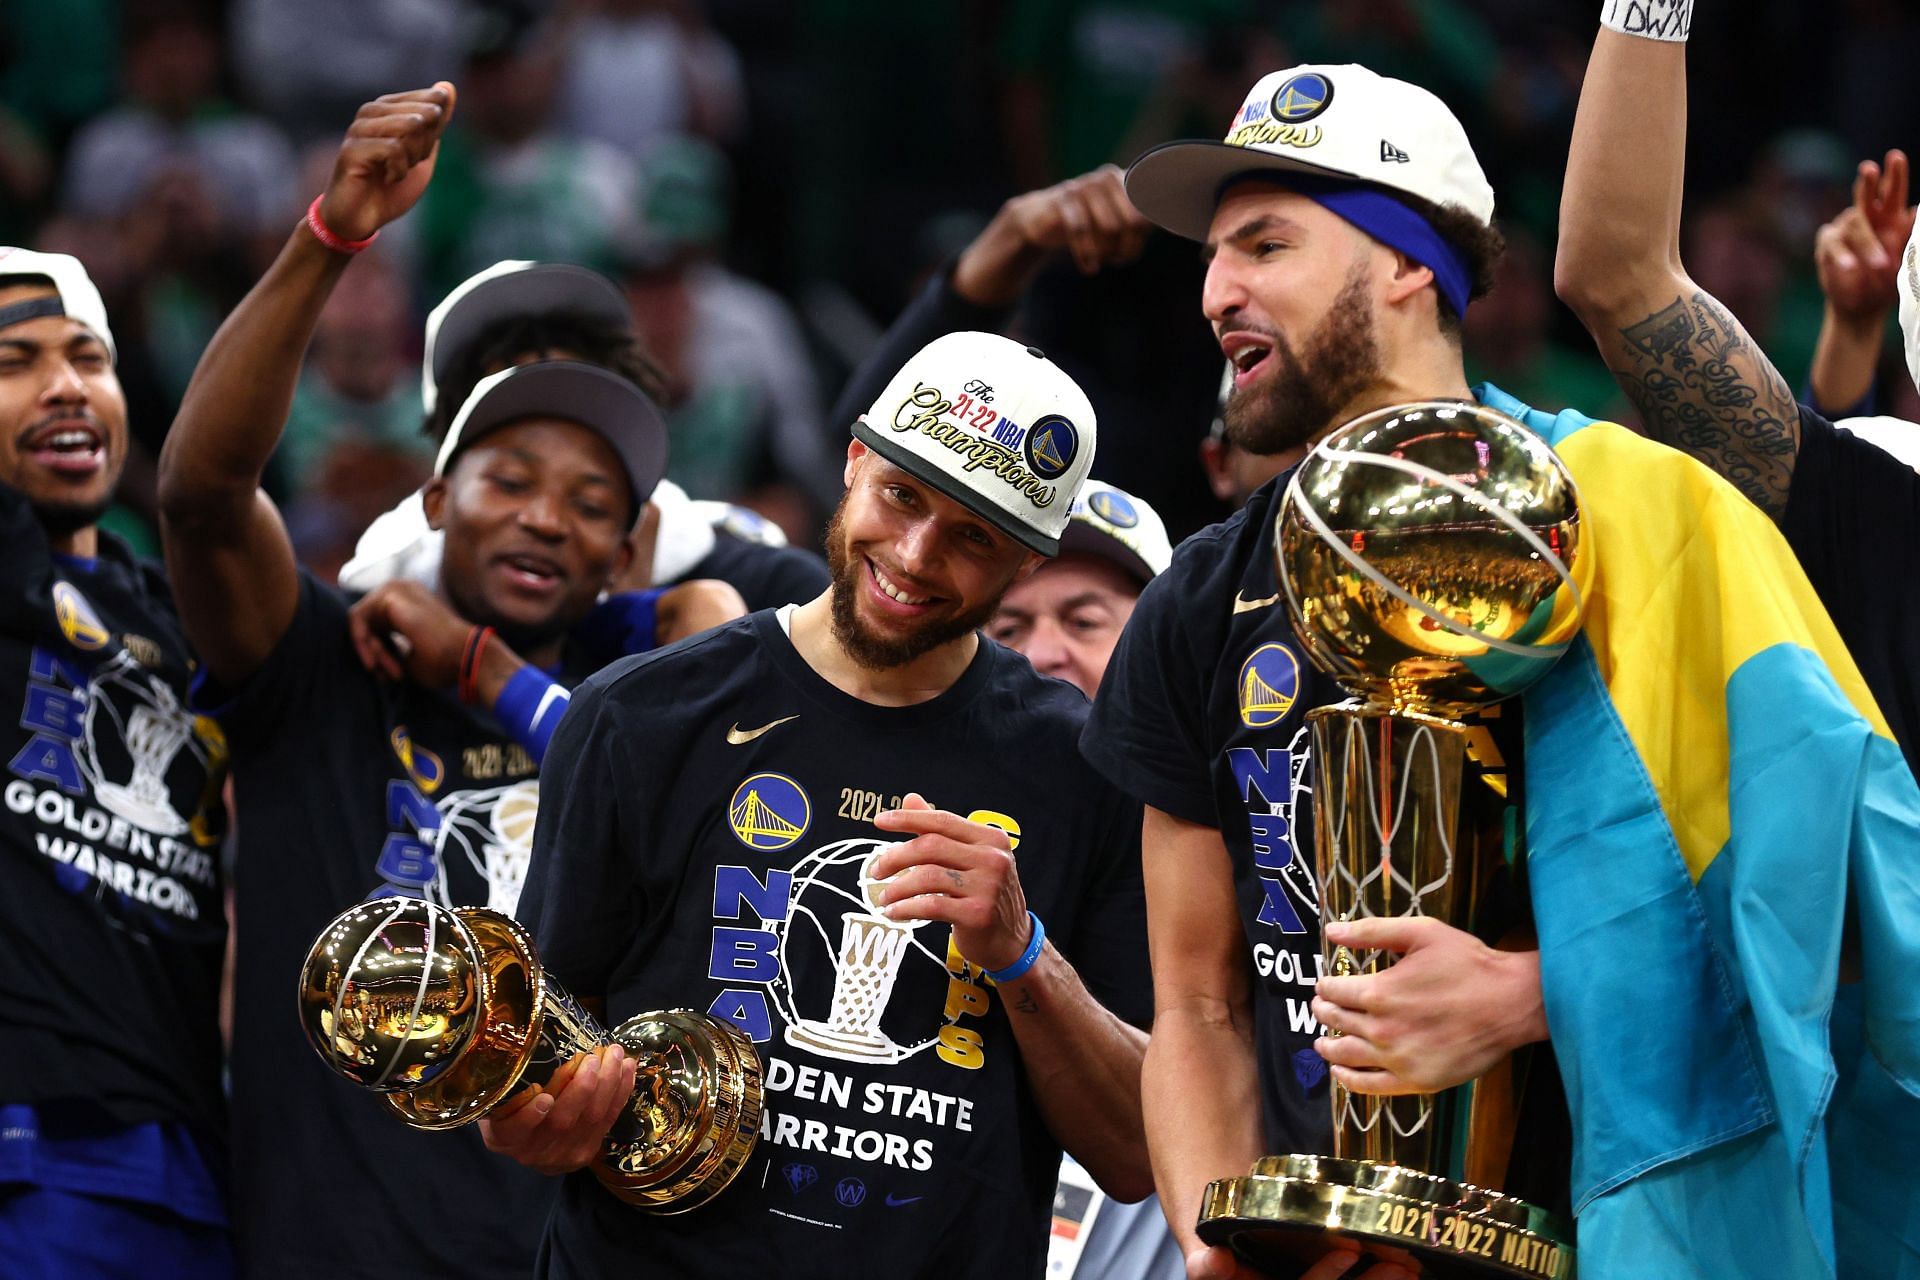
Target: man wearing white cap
<point>928,980</point>
<point>389,746</point>
<point>111,926</point>
<point>1346,225</point>
<point>1849,509</point>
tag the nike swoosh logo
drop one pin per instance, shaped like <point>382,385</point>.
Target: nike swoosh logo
<point>736,736</point>
<point>895,1203</point>
<point>1243,605</point>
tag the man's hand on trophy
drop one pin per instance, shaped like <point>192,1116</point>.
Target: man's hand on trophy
<point>1445,1012</point>
<point>1219,1263</point>
<point>564,1126</point>
<point>385,161</point>
<point>958,871</point>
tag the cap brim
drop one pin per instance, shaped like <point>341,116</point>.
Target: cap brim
<point>1094,541</point>
<point>604,403</point>
<point>920,469</point>
<point>542,289</point>
<point>1177,185</point>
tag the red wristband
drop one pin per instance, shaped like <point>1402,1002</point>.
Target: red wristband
<point>327,237</point>
<point>470,662</point>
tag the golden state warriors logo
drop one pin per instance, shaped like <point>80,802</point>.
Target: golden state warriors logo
<point>768,812</point>
<point>1114,509</point>
<point>78,622</point>
<point>1051,446</point>
<point>1269,683</point>
<point>426,769</point>
<point>1302,98</point>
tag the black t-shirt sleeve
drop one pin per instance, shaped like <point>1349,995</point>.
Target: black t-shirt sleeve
<point>766,577</point>
<point>1853,516</point>
<point>1109,943</point>
<point>300,679</point>
<point>582,899</point>
<point>1147,733</point>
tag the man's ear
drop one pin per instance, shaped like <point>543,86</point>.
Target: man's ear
<point>433,497</point>
<point>1409,277</point>
<point>622,561</point>
<point>856,452</point>
<point>1027,567</point>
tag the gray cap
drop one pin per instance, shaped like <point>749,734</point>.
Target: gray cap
<point>604,403</point>
<point>506,289</point>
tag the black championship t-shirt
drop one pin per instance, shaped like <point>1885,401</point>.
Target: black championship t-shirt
<point>348,787</point>
<point>1853,519</point>
<point>766,577</point>
<point>112,921</point>
<point>708,852</point>
<point>1202,714</point>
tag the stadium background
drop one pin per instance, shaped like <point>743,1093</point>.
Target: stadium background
<point>770,180</point>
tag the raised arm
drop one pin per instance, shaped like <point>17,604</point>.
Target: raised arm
<point>228,553</point>
<point>1695,376</point>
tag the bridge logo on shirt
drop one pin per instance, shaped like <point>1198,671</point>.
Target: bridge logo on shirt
<point>78,622</point>
<point>1269,685</point>
<point>1052,444</point>
<point>769,812</point>
<point>1114,509</point>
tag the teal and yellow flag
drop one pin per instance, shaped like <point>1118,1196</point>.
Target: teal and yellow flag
<point>1724,853</point>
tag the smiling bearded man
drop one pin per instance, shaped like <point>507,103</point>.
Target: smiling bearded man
<point>745,833</point>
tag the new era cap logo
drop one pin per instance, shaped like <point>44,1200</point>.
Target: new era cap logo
<point>1390,154</point>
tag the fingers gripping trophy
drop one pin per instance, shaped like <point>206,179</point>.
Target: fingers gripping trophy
<point>1430,560</point>
<point>447,1014</point>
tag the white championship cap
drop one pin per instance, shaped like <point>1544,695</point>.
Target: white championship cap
<point>511,288</point>
<point>604,403</point>
<point>995,426</point>
<point>1342,122</point>
<point>1114,525</point>
<point>78,298</point>
<point>1909,290</point>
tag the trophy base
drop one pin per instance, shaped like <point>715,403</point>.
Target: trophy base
<point>1291,1209</point>
<point>695,1112</point>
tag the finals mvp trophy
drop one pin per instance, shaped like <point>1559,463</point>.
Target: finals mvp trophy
<point>1429,556</point>
<point>447,1014</point>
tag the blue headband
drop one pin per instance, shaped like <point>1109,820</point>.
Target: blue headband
<point>1386,220</point>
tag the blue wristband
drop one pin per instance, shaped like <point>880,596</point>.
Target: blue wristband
<point>529,709</point>
<point>1018,969</point>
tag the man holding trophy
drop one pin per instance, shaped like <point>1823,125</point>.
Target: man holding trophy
<point>940,989</point>
<point>1431,554</point>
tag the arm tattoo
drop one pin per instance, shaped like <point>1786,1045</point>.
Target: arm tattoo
<point>1025,1002</point>
<point>1702,386</point>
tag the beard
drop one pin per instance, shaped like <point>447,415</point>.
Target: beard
<point>64,519</point>
<point>877,651</point>
<point>1296,403</point>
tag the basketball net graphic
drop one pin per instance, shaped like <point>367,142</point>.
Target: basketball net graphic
<point>867,964</point>
<point>493,828</point>
<point>154,731</point>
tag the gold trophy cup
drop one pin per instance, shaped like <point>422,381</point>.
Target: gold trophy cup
<point>447,1014</point>
<point>1429,558</point>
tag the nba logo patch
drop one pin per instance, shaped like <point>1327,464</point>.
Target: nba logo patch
<point>1269,684</point>
<point>769,812</point>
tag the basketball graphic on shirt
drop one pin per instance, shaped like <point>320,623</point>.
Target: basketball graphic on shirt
<point>135,734</point>
<point>492,827</point>
<point>835,918</point>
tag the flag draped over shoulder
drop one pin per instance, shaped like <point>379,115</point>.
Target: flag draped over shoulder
<point>1717,814</point>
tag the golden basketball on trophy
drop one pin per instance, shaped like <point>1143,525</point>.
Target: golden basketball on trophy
<point>1429,558</point>
<point>447,1014</point>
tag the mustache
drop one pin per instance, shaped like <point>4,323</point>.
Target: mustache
<point>57,417</point>
<point>1234,324</point>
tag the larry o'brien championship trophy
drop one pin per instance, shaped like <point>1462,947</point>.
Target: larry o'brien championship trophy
<point>1429,556</point>
<point>447,1014</point>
